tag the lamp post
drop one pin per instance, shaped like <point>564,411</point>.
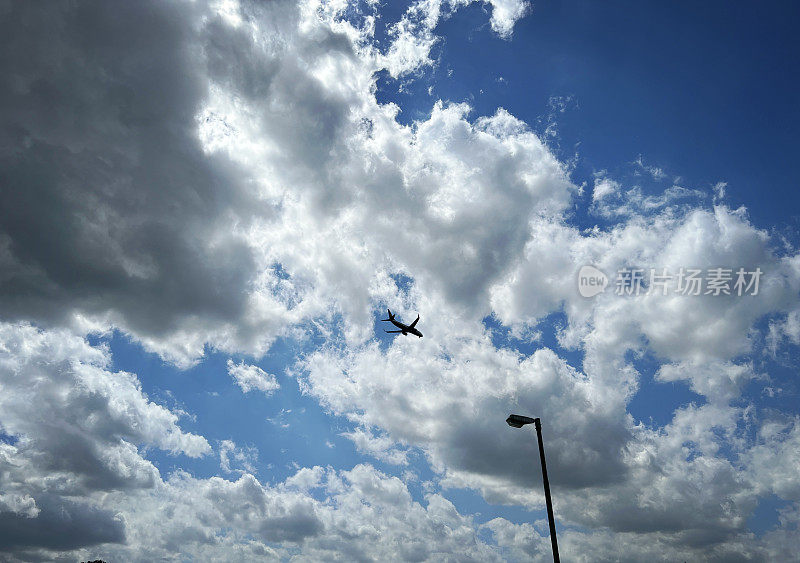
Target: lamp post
<point>518,421</point>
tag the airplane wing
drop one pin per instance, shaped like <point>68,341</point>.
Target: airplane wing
<point>392,331</point>
<point>412,325</point>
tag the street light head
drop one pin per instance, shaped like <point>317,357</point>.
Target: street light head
<point>518,421</point>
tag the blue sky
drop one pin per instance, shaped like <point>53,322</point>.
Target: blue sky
<point>195,277</point>
<point>702,91</point>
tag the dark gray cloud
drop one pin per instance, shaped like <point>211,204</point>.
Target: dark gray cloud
<point>61,525</point>
<point>108,202</point>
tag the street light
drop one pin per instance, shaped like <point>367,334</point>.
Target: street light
<point>518,421</point>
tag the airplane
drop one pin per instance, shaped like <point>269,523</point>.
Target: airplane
<point>405,329</point>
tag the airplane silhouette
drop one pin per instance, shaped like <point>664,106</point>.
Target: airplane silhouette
<point>405,329</point>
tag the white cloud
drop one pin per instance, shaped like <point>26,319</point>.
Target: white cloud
<point>230,455</point>
<point>449,394</point>
<point>382,447</point>
<point>604,186</point>
<point>128,512</point>
<point>611,201</point>
<point>263,176</point>
<point>655,172</point>
<point>412,38</point>
<point>367,515</point>
<point>225,177</point>
<point>774,457</point>
<point>77,429</point>
<point>506,13</point>
<point>719,191</point>
<point>455,409</point>
<point>20,505</point>
<point>252,378</point>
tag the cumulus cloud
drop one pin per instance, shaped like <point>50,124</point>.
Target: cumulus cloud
<point>169,214</point>
<point>212,208</point>
<point>77,429</point>
<point>223,176</point>
<point>112,207</point>
<point>608,471</point>
<point>381,447</point>
<point>252,378</point>
<point>453,411</point>
<point>366,515</point>
<point>506,13</point>
<point>413,37</point>
<point>94,419</point>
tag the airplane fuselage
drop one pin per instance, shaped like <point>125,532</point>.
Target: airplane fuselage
<point>405,328</point>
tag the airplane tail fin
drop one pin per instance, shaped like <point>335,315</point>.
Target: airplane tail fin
<point>391,316</point>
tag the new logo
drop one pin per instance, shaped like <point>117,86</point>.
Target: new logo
<point>591,281</point>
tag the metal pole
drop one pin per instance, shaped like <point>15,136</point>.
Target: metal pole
<point>549,502</point>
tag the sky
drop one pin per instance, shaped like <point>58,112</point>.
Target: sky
<point>206,209</point>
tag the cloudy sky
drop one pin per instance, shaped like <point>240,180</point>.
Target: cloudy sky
<point>207,208</point>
